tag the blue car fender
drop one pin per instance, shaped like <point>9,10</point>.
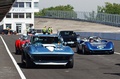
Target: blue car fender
<point>110,45</point>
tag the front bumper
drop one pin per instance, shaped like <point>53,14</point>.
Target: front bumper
<point>50,62</point>
<point>100,51</point>
<point>71,44</point>
<point>51,59</point>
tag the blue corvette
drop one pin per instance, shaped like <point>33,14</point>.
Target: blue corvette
<point>47,50</point>
<point>95,45</point>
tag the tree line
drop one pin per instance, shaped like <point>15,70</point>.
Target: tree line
<point>109,8</point>
<point>57,8</point>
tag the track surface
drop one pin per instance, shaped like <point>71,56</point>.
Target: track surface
<point>85,66</point>
<point>80,26</point>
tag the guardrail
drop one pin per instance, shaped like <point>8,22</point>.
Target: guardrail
<point>104,35</point>
<point>102,18</point>
<point>111,36</point>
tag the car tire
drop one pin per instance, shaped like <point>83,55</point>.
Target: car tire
<point>22,58</point>
<point>77,49</point>
<point>70,64</point>
<point>29,63</point>
<point>83,50</point>
<point>16,50</point>
<point>111,52</point>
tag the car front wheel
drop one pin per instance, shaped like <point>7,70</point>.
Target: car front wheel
<point>29,63</point>
<point>70,64</point>
<point>16,50</point>
<point>22,58</point>
<point>83,50</point>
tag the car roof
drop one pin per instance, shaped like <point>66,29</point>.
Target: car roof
<point>93,37</point>
<point>47,35</point>
<point>66,31</point>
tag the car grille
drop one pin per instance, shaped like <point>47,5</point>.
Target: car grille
<point>51,57</point>
<point>69,39</point>
<point>101,51</point>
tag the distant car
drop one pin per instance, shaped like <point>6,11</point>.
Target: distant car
<point>32,31</point>
<point>47,50</point>
<point>69,38</point>
<point>95,45</point>
<point>19,43</point>
<point>13,32</point>
<point>6,32</point>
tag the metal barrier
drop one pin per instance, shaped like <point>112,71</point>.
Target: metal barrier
<point>108,19</point>
<point>111,36</point>
<point>38,30</point>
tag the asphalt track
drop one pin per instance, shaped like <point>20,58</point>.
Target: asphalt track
<point>85,66</point>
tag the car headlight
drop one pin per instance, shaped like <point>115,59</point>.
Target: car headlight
<point>78,38</point>
<point>61,39</point>
<point>65,43</point>
<point>23,45</point>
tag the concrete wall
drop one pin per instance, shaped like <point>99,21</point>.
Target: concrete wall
<point>111,36</point>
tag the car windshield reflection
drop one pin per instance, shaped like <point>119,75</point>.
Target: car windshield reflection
<point>46,40</point>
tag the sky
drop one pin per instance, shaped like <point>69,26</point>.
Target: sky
<point>79,5</point>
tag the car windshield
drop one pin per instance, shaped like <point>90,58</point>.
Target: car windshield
<point>45,40</point>
<point>94,39</point>
<point>66,33</point>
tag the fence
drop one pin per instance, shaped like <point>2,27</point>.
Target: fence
<point>108,19</point>
<point>111,36</point>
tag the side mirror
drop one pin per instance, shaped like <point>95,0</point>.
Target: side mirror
<point>23,45</point>
<point>81,42</point>
<point>26,44</point>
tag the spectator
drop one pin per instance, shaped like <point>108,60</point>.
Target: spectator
<point>44,30</point>
<point>50,30</point>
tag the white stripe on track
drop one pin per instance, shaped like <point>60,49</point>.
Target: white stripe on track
<point>117,53</point>
<point>14,61</point>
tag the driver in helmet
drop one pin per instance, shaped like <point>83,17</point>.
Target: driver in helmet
<point>98,39</point>
<point>24,37</point>
<point>91,40</point>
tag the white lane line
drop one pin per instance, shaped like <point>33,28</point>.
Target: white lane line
<point>117,53</point>
<point>15,63</point>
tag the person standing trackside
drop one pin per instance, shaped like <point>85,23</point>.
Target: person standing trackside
<point>49,30</point>
<point>44,30</point>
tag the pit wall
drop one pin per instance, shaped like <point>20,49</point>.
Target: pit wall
<point>111,36</point>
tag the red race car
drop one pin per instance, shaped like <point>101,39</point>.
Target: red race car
<point>19,43</point>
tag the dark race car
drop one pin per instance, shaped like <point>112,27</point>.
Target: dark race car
<point>47,50</point>
<point>31,31</point>
<point>95,45</point>
<point>8,32</point>
<point>69,38</point>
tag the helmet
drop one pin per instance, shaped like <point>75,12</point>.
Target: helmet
<point>91,39</point>
<point>98,39</point>
<point>24,36</point>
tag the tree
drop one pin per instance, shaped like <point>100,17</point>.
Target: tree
<point>109,8</point>
<point>57,8</point>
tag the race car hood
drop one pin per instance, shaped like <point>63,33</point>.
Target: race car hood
<point>51,49</point>
<point>101,45</point>
<point>98,43</point>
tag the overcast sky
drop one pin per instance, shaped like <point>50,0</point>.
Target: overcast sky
<point>79,5</point>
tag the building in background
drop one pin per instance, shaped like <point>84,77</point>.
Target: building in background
<point>21,16</point>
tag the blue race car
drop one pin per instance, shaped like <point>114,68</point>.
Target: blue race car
<point>47,50</point>
<point>95,45</point>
